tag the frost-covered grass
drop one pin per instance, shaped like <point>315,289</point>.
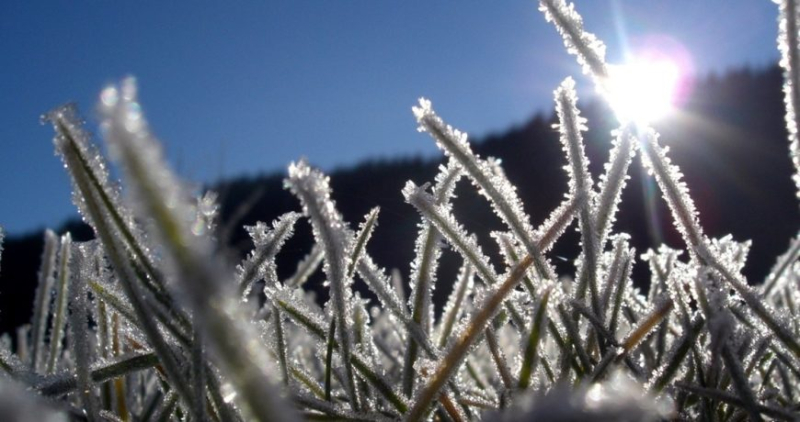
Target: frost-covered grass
<point>149,321</point>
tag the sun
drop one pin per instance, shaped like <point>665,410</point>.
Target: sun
<point>642,91</point>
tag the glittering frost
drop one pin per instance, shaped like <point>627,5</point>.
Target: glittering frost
<point>427,249</point>
<point>260,263</point>
<point>160,199</point>
<point>674,189</point>
<point>789,47</point>
<point>490,183</point>
<point>451,229</point>
<point>588,49</point>
<point>613,181</point>
<point>313,189</point>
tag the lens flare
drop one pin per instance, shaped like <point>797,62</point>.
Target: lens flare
<point>642,91</point>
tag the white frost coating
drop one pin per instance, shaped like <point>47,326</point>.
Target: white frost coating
<point>153,184</point>
<point>451,229</point>
<point>789,47</point>
<point>730,253</point>
<point>41,305</point>
<point>674,190</point>
<point>313,189</point>
<point>587,48</point>
<point>613,181</point>
<point>491,184</point>
<point>454,307</point>
<point>361,238</point>
<point>84,162</point>
<point>781,273</point>
<point>79,319</point>
<point>161,199</point>
<point>260,262</point>
<point>427,250</point>
<point>571,124</point>
<point>556,223</point>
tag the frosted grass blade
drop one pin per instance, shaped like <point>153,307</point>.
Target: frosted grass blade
<point>55,385</point>
<point>423,268</point>
<point>329,359</point>
<point>41,305</point>
<point>78,322</point>
<point>588,49</point>
<point>453,308</point>
<point>789,47</point>
<point>490,182</point>
<point>613,181</point>
<point>361,239</point>
<point>59,320</point>
<point>457,351</point>
<point>89,174</point>
<point>571,124</point>
<point>534,339</point>
<point>188,256</point>
<point>314,192</point>
<point>268,242</point>
<point>776,277</point>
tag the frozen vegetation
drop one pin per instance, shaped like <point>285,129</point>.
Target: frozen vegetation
<point>150,323</point>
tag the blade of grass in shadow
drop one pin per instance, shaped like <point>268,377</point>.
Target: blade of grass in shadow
<point>726,397</point>
<point>41,305</point>
<point>740,382</point>
<point>500,361</point>
<point>55,385</point>
<point>329,359</point>
<point>534,339</point>
<point>453,307</point>
<point>681,347</point>
<point>315,326</point>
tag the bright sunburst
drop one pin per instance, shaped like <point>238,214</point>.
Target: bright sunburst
<point>642,91</point>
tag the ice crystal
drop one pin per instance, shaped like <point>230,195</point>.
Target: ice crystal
<point>268,242</point>
<point>675,191</point>
<point>588,49</point>
<point>789,47</point>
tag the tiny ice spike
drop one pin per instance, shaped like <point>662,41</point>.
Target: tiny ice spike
<point>151,321</point>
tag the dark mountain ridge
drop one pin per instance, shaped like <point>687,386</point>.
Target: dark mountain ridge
<point>729,140</point>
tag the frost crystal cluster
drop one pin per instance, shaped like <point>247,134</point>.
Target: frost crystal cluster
<point>150,322</point>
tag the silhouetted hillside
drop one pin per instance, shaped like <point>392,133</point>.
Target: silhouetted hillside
<point>730,141</point>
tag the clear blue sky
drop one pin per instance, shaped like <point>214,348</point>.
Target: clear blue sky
<point>242,87</point>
